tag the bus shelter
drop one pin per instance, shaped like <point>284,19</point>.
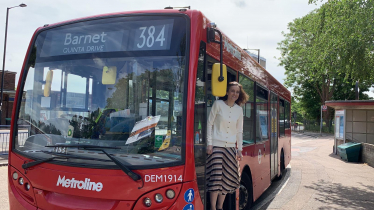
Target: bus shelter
<point>354,122</point>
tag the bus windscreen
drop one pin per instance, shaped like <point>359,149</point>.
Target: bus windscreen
<point>115,82</point>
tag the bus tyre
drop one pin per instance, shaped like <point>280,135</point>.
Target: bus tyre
<point>282,165</point>
<point>245,192</point>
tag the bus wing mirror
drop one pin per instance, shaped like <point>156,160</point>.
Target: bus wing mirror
<point>109,75</point>
<point>48,83</point>
<point>219,87</point>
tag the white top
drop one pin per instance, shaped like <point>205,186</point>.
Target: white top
<point>225,125</point>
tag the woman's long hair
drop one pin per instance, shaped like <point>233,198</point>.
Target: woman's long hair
<point>243,96</point>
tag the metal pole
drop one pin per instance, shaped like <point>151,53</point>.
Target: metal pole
<point>3,72</point>
<point>320,129</point>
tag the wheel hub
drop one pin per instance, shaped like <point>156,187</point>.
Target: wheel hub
<point>243,196</point>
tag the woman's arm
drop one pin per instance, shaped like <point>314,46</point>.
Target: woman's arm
<point>239,132</point>
<point>212,117</point>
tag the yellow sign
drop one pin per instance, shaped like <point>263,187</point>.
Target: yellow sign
<point>109,75</point>
<point>166,142</point>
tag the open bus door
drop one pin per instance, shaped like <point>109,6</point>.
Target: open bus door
<point>274,136</point>
<point>203,103</point>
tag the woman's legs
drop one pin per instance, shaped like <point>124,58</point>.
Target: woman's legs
<point>221,199</point>
<point>213,200</point>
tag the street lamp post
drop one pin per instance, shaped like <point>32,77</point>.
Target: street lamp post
<point>3,72</point>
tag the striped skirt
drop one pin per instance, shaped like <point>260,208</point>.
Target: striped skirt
<point>222,170</point>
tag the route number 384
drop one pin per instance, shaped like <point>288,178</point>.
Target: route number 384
<point>147,36</point>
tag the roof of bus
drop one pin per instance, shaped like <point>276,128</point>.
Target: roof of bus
<point>249,66</point>
<point>165,11</point>
<point>276,85</point>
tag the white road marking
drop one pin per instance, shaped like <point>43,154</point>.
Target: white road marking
<point>272,195</point>
<point>283,186</point>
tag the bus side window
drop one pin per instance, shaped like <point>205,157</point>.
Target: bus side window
<point>248,111</point>
<point>281,117</point>
<point>261,114</point>
<point>287,115</point>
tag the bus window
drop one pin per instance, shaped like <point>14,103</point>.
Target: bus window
<point>248,111</point>
<point>138,109</point>
<point>76,91</point>
<point>287,115</point>
<point>200,123</point>
<point>261,114</point>
<point>281,117</point>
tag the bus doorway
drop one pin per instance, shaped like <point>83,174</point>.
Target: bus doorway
<point>274,136</point>
<point>230,201</point>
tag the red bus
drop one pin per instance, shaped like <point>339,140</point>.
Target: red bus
<point>116,107</point>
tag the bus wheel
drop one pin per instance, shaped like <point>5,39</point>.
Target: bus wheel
<point>245,192</point>
<point>282,165</point>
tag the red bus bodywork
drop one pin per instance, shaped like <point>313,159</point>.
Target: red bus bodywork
<point>120,191</point>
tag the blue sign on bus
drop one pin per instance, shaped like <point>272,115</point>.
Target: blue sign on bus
<point>188,207</point>
<point>189,195</point>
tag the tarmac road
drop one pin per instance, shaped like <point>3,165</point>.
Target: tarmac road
<point>318,179</point>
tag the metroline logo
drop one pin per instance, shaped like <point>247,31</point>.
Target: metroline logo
<point>82,185</point>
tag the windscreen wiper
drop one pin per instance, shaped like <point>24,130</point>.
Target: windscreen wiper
<point>122,166</point>
<point>61,156</point>
<point>37,162</point>
<point>58,156</point>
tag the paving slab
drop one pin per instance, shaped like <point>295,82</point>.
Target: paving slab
<point>321,180</point>
<point>3,160</point>
<point>4,199</point>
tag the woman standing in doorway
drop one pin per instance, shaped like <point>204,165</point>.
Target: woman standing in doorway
<point>225,129</point>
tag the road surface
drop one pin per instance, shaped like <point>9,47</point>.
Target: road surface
<point>318,179</point>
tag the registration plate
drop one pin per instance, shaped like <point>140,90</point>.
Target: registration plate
<point>61,150</point>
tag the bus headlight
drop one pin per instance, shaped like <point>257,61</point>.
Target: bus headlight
<point>15,176</point>
<point>27,186</point>
<point>147,202</point>
<point>170,193</point>
<point>20,181</point>
<point>159,198</point>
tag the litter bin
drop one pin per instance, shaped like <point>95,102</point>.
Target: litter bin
<point>350,151</point>
<point>7,121</point>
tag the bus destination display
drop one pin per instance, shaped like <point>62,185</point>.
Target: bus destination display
<point>112,37</point>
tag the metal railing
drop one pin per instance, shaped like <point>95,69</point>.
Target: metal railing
<point>23,134</point>
<point>313,126</point>
<point>298,128</point>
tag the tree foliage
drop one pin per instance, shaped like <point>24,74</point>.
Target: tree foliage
<point>328,50</point>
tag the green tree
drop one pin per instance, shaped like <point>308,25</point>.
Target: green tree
<point>329,49</point>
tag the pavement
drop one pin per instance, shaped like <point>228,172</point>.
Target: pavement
<point>3,159</point>
<point>318,179</point>
<point>4,199</point>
